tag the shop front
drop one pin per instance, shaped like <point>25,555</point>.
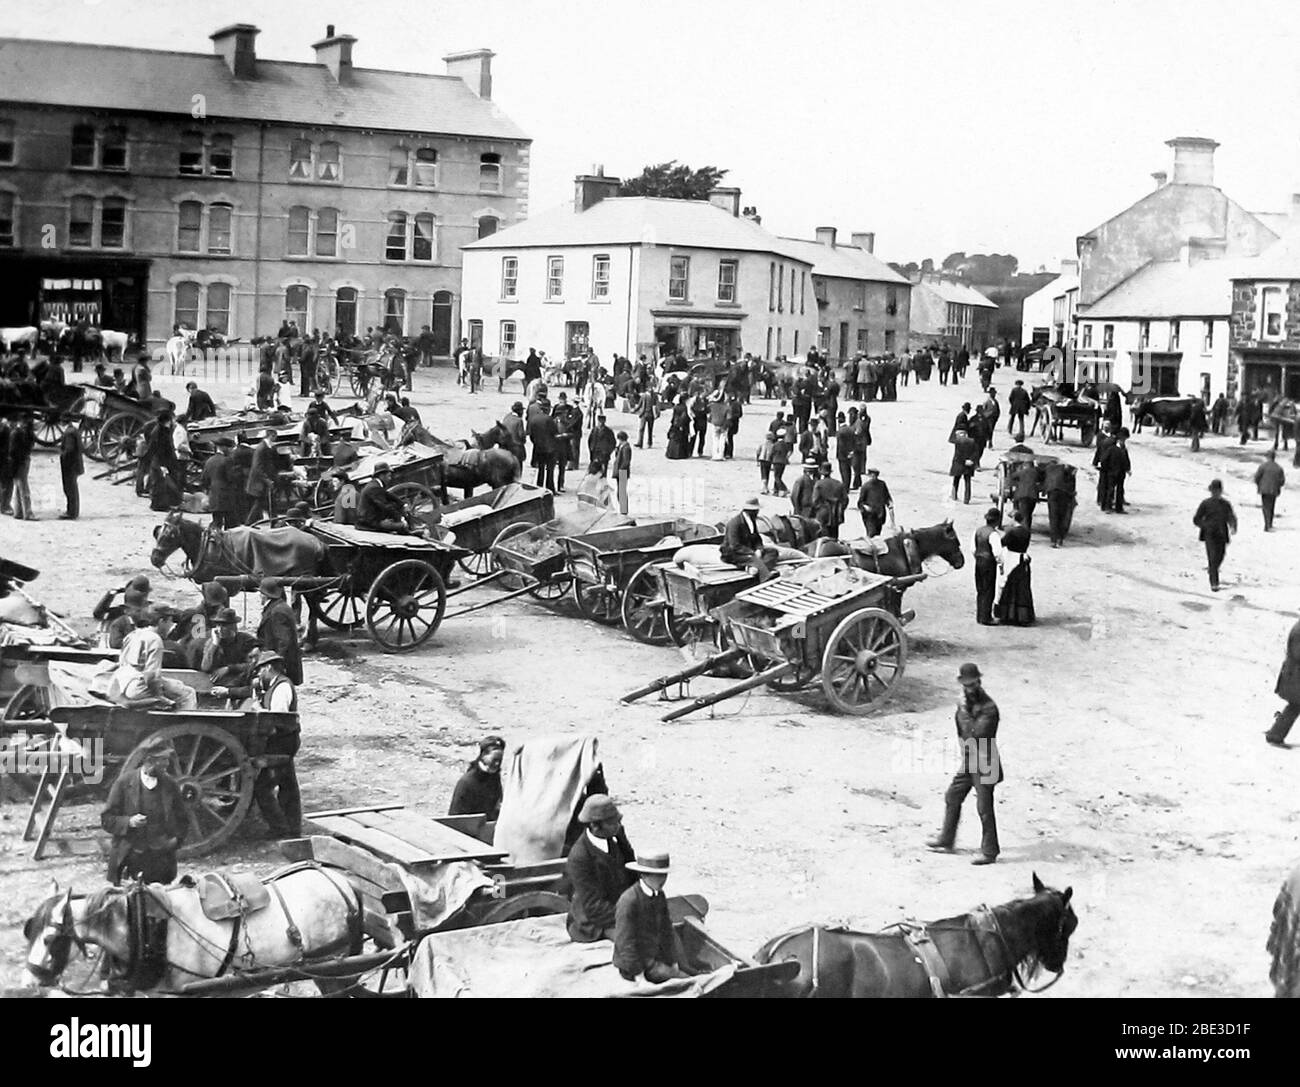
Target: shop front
<point>109,293</point>
<point>1270,374</point>
<point>695,335</point>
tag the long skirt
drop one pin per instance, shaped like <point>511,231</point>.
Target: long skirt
<point>1016,604</point>
<point>679,444</point>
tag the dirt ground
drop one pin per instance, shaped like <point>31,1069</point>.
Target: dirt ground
<point>1131,714</point>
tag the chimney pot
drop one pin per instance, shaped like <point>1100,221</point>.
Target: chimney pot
<point>335,53</point>
<point>826,236</point>
<point>474,67</point>
<point>1160,178</point>
<point>329,30</point>
<point>1193,160</point>
<point>235,45</point>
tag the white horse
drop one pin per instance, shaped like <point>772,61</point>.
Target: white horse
<point>25,336</point>
<point>178,349</point>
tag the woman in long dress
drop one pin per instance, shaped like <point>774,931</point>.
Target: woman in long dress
<point>679,431</point>
<point>1015,606</point>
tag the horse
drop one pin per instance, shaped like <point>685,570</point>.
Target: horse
<point>990,951</point>
<point>896,556</point>
<point>156,938</point>
<point>471,464</point>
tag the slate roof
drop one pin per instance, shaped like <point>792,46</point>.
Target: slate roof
<point>1281,260</point>
<point>111,77</point>
<point>1169,288</point>
<point>642,220</point>
<point>958,293</point>
<point>845,262</point>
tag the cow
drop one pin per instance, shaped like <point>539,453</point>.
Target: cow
<point>114,341</point>
<point>1169,413</point>
<point>178,348</point>
<point>16,338</point>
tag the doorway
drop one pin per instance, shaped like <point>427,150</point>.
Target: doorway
<point>844,341</point>
<point>576,337</point>
<point>345,312</point>
<point>441,324</point>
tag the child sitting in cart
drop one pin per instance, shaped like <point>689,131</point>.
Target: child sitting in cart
<point>645,944</point>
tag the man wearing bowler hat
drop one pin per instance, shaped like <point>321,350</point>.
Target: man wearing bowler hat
<point>743,546</point>
<point>225,656</point>
<point>596,870</point>
<point>980,767</point>
<point>278,630</point>
<point>146,816</point>
<point>645,944</point>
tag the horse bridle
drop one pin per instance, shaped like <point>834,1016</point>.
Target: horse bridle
<point>1015,965</point>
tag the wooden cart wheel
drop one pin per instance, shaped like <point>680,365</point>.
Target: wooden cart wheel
<point>511,581</point>
<point>795,681</point>
<point>477,563</point>
<point>327,489</point>
<point>863,659</point>
<point>419,500</point>
<point>117,435</point>
<point>597,602</point>
<point>89,429</point>
<point>528,904</point>
<point>405,605</point>
<point>215,777</point>
<point>27,703</point>
<point>359,380</point>
<point>337,607</point>
<point>644,609</point>
<point>49,429</point>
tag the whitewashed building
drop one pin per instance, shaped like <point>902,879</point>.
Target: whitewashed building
<point>1048,313</point>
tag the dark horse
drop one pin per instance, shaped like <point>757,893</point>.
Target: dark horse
<point>898,555</point>
<point>991,951</point>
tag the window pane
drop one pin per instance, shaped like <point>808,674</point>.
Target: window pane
<point>113,153</point>
<point>489,173</point>
<point>398,166</point>
<point>219,308</point>
<point>423,241</point>
<point>83,145</point>
<point>300,158</point>
<point>600,277</point>
<point>509,277</point>
<point>508,338</point>
<point>395,312</point>
<point>191,156</point>
<point>189,224</point>
<point>6,141</point>
<point>298,223</point>
<point>327,162</point>
<point>221,156</point>
<point>426,167</point>
<point>187,305</point>
<point>219,216</point>
<point>295,306</point>
<point>112,223</point>
<point>487,226</point>
<point>677,274</point>
<point>555,277</point>
<point>395,246</point>
<point>727,281</point>
<point>81,221</point>
<point>6,218</point>
<point>327,232</point>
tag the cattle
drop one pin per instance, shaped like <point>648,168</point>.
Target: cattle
<point>1169,413</point>
<point>15,338</point>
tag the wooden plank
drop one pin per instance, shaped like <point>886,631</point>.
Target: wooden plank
<point>467,824</point>
<point>353,811</point>
<point>354,860</point>
<point>440,843</point>
<point>381,843</point>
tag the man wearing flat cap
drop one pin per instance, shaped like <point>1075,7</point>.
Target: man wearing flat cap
<point>278,630</point>
<point>596,870</point>
<point>645,944</point>
<point>980,767</point>
<point>801,494</point>
<point>146,816</point>
<point>221,481</point>
<point>743,546</point>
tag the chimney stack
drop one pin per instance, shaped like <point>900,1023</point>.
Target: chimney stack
<point>234,45</point>
<point>590,189</point>
<point>1160,178</point>
<point>865,241</point>
<point>1193,160</point>
<point>826,236</point>
<point>728,199</point>
<point>335,52</point>
<point>474,67</point>
<point>1069,267</point>
<point>752,215</point>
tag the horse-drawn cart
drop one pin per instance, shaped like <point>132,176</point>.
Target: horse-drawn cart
<point>826,620</point>
<point>479,522</point>
<point>1010,463</point>
<point>46,414</point>
<point>111,421</point>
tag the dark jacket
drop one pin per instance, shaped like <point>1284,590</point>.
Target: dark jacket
<point>1018,401</point>
<point>1269,478</point>
<point>544,435</point>
<point>979,722</point>
<point>643,932</point>
<point>1213,517</point>
<point>1025,483</point>
<point>739,541</point>
<point>200,407</point>
<point>71,462</point>
<point>221,481</point>
<point>601,444</point>
<point>1115,461</point>
<point>623,458</point>
<point>597,880</point>
<point>875,496</point>
<point>278,631</point>
<point>829,500</point>
<point>1058,479</point>
<point>1288,679</point>
<point>164,832</point>
<point>477,792</point>
<point>375,505</point>
<point>801,495</point>
<point>846,442</point>
<point>261,473</point>
<point>964,449</point>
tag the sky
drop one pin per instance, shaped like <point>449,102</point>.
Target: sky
<point>942,125</point>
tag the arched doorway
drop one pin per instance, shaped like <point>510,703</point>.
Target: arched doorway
<point>441,323</point>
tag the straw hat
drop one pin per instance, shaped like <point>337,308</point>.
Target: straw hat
<point>650,862</point>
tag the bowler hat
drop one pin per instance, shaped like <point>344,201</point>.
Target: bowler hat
<point>968,671</point>
<point>157,745</point>
<point>133,598</point>
<point>597,808</point>
<point>140,583</point>
<point>271,587</point>
<point>1216,484</point>
<point>215,594</point>
<point>653,862</point>
<point>751,504</point>
<point>267,657</point>
<point>227,617</point>
<point>873,471</point>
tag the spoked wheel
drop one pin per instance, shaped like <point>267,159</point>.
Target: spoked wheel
<point>360,381</point>
<point>337,607</point>
<point>644,609</point>
<point>118,432</point>
<point>89,429</point>
<point>215,778</point>
<point>548,591</point>
<point>28,703</point>
<point>422,503</point>
<point>327,489</point>
<point>863,659</point>
<point>528,904</point>
<point>327,379</point>
<point>477,563</point>
<point>405,605</point>
<point>787,684</point>
<point>597,602</point>
<point>49,429</point>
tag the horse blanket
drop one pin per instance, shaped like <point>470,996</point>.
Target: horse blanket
<point>540,788</point>
<point>532,958</point>
<point>275,552</point>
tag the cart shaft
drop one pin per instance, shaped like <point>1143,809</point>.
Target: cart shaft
<point>664,682</point>
<point>758,680</point>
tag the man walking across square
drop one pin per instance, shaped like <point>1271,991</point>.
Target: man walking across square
<point>1269,481</point>
<point>979,768</point>
<point>1215,519</point>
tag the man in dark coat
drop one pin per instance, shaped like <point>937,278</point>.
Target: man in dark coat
<point>962,422</point>
<point>601,444</point>
<point>1269,481</point>
<point>1287,689</point>
<point>645,943</point>
<point>1025,491</point>
<point>568,438</point>
<point>1215,519</point>
<point>512,423</point>
<point>846,442</point>
<point>988,557</point>
<point>146,816</point>
<point>596,871</point>
<point>262,474</point>
<point>1219,414</point>
<point>479,790</point>
<point>71,466</point>
<point>278,630</point>
<point>200,404</point>
<point>829,499</point>
<point>22,440</point>
<point>241,464</point>
<point>861,427</point>
<point>220,483</point>
<point>1117,467</point>
<point>964,455</point>
<point>801,494</point>
<point>377,509</point>
<point>743,546</point>
<point>980,767</point>
<point>700,422</point>
<point>1059,484</point>
<point>874,503</point>
<point>544,434</point>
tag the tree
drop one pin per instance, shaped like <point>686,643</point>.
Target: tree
<point>675,180</point>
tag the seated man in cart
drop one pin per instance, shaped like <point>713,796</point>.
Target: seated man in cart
<point>743,546</point>
<point>645,944</point>
<point>226,657</point>
<point>315,432</point>
<point>596,870</point>
<point>146,816</point>
<point>377,509</point>
<point>139,668</point>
